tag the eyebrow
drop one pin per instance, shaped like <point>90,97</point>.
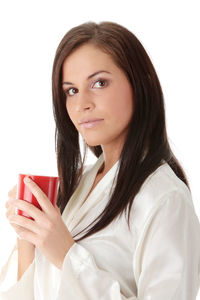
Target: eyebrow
<point>90,76</point>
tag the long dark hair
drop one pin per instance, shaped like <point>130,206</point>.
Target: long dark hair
<point>146,146</point>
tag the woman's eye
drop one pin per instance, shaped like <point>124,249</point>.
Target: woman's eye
<point>70,91</point>
<point>100,82</point>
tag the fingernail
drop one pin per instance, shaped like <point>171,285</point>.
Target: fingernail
<point>9,217</point>
<point>27,179</point>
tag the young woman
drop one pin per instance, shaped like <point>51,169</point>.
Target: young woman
<point>126,227</point>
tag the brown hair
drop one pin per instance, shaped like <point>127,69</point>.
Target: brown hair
<point>146,146</point>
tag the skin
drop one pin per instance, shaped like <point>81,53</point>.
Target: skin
<point>109,99</point>
<point>26,250</point>
<point>47,231</point>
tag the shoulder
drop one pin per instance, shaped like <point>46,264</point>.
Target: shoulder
<point>160,186</point>
<point>164,181</point>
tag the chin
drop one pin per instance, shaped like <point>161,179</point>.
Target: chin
<point>96,140</point>
<point>92,144</point>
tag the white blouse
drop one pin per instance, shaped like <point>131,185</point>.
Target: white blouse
<point>158,258</point>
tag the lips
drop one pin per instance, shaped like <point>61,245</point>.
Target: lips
<point>83,121</point>
<point>89,123</point>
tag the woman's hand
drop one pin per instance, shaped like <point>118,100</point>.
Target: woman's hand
<point>47,231</point>
<point>11,196</point>
<point>10,208</point>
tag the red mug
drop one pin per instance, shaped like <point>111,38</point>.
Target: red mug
<point>48,184</point>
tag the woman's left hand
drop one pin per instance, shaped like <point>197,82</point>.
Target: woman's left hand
<point>47,231</point>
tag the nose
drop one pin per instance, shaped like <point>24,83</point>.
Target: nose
<point>84,102</point>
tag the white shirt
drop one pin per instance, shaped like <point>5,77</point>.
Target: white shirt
<point>158,258</point>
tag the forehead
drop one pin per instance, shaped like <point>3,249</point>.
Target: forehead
<point>85,60</point>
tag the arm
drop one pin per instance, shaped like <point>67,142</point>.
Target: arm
<point>16,276</point>
<point>10,287</point>
<point>168,256</point>
<point>82,279</point>
<point>26,253</point>
<point>25,249</point>
<point>165,262</point>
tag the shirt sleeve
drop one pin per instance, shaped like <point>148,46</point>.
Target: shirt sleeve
<point>10,288</point>
<point>166,261</point>
<point>168,258</point>
<point>82,279</point>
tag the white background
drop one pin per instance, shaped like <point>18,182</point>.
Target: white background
<point>30,33</point>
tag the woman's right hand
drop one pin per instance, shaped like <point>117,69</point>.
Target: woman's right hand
<point>25,249</point>
<point>10,210</point>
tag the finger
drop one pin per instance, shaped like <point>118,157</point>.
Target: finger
<point>29,208</point>
<point>41,197</point>
<point>26,234</point>
<point>10,211</point>
<point>9,202</point>
<point>24,223</point>
<point>16,227</point>
<point>13,192</point>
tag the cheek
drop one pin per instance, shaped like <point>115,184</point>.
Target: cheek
<point>67,106</point>
<point>123,107</point>
<point>70,114</point>
<point>70,111</point>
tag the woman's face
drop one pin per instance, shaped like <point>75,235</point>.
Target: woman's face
<point>101,105</point>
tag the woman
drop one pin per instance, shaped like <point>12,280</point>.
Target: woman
<point>124,228</point>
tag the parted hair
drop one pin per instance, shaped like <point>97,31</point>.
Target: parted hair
<point>146,146</point>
